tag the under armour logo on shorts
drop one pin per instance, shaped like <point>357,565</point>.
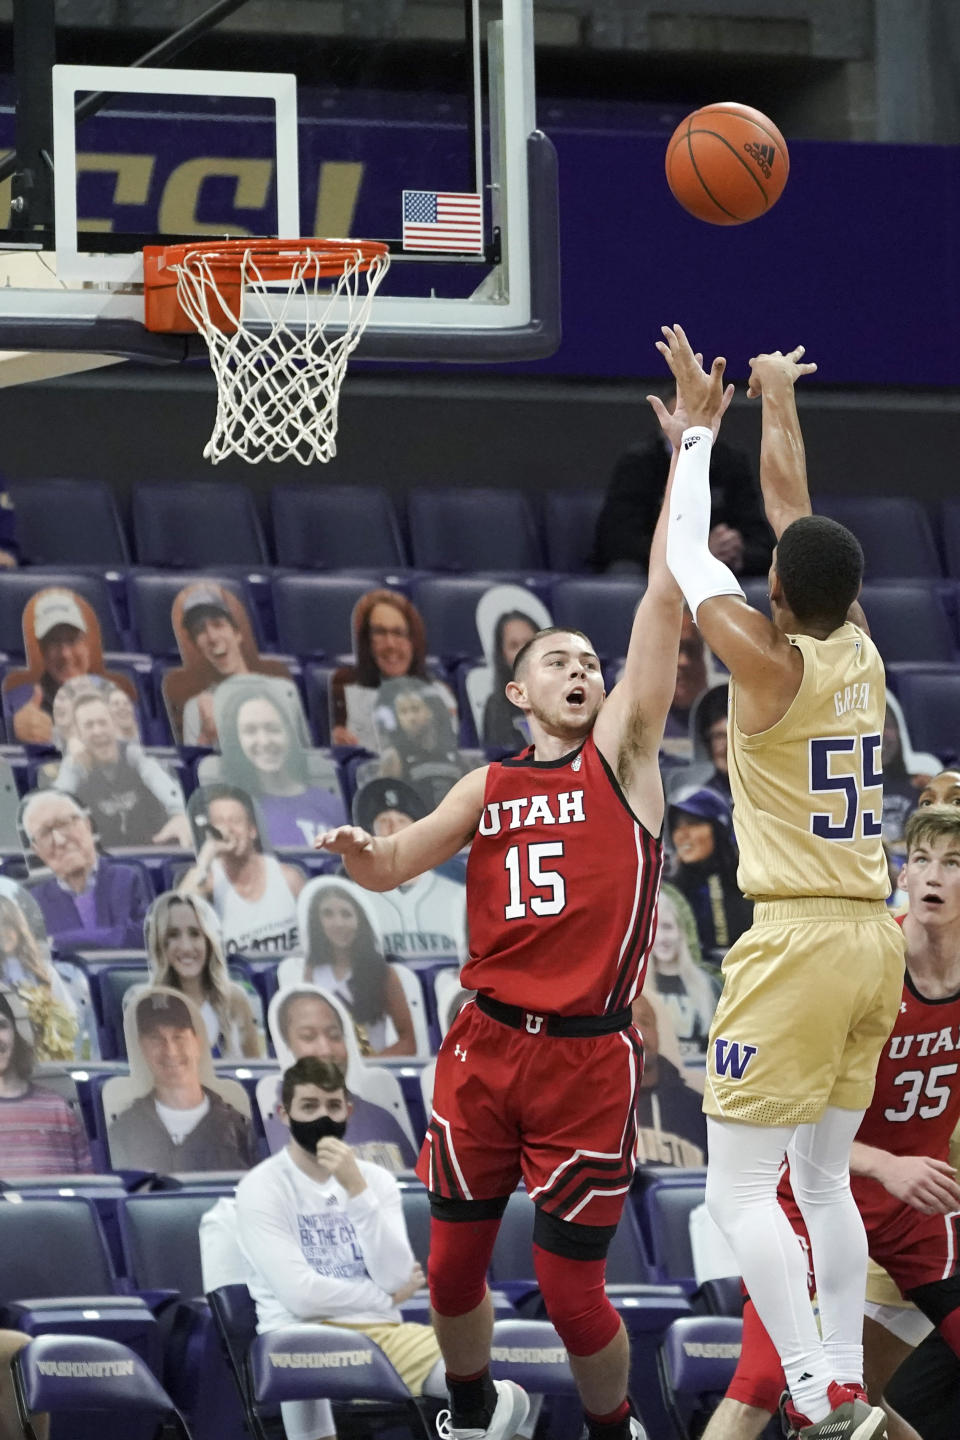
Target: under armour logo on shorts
<point>460,1054</point>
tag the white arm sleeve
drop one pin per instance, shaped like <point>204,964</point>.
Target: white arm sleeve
<point>699,574</point>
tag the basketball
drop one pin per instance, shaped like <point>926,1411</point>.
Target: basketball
<point>727,163</point>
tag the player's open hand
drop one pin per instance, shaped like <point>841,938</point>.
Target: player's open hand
<point>674,421</point>
<point>929,1185</point>
<point>347,840</point>
<point>700,393</point>
<point>768,369</point>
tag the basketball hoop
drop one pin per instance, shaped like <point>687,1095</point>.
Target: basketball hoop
<point>278,373</point>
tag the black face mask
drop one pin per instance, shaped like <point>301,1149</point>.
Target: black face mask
<point>308,1132</point>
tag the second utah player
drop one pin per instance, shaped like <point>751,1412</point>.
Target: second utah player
<point>538,1077</point>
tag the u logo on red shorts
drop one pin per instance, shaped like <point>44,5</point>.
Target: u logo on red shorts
<point>534,1022</point>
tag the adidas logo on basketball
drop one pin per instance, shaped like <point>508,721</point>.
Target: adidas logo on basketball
<point>764,156</point>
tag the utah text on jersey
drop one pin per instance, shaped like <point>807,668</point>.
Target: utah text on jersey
<point>563,809</point>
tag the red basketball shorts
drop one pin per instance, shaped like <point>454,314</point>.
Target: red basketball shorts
<point>758,1379</point>
<point>558,1112</point>
<point>914,1249</point>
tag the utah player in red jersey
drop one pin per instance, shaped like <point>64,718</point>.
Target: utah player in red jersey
<point>538,1077</point>
<point>901,1177</point>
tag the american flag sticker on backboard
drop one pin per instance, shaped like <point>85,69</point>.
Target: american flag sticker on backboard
<point>442,220</point>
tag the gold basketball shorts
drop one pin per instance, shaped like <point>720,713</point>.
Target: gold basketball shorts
<point>412,1349</point>
<point>810,994</point>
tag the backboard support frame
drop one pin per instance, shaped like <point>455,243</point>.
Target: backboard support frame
<point>514,314</point>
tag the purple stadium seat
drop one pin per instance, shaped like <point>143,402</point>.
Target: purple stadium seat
<point>448,604</point>
<point>199,523</point>
<point>58,1374</point>
<point>68,522</point>
<point>472,529</point>
<point>696,1363</point>
<point>601,606</point>
<point>261,1381</point>
<point>569,522</point>
<point>908,620</point>
<point>313,613</point>
<point>67,1284</point>
<point>894,531</point>
<point>335,527</point>
<point>666,1199</point>
<point>931,706</point>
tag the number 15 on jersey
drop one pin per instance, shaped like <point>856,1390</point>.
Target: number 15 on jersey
<point>532,883</point>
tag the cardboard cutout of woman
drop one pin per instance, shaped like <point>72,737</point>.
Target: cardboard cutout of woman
<point>685,987</point>
<point>26,968</point>
<point>389,643</point>
<point>507,617</point>
<point>185,953</point>
<point>262,728</point>
<point>41,1132</point>
<point>172,1114</point>
<point>216,641</point>
<point>343,953</point>
<point>306,1020</point>
<point>417,740</point>
<point>62,641</point>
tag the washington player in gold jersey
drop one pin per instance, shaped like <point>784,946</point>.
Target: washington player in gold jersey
<point>811,991</point>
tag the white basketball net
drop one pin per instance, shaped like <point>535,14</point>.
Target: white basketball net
<point>279,384</point>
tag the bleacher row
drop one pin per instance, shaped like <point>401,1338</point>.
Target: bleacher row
<point>127,1267</point>
<point>111,973</point>
<point>318,526</point>
<point>306,618</point>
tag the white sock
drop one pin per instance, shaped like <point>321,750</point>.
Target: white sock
<point>744,1165</point>
<point>819,1158</point>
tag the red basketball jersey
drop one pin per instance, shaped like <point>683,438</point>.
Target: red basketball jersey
<point>562,886</point>
<point>916,1101</point>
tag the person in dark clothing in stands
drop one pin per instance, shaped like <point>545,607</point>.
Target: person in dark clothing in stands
<point>90,901</point>
<point>705,873</point>
<point>711,724</point>
<point>740,536</point>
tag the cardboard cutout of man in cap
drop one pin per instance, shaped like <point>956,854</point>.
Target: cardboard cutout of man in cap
<point>216,641</point>
<point>172,1115</point>
<point>62,641</point>
<point>427,916</point>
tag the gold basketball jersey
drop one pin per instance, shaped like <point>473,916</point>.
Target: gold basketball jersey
<point>808,792</point>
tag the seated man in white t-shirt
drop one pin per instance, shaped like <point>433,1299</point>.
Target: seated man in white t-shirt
<point>325,1240</point>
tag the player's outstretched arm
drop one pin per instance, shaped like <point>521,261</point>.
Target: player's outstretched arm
<point>630,726</point>
<point>756,653</point>
<point>383,862</point>
<point>783,464</point>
